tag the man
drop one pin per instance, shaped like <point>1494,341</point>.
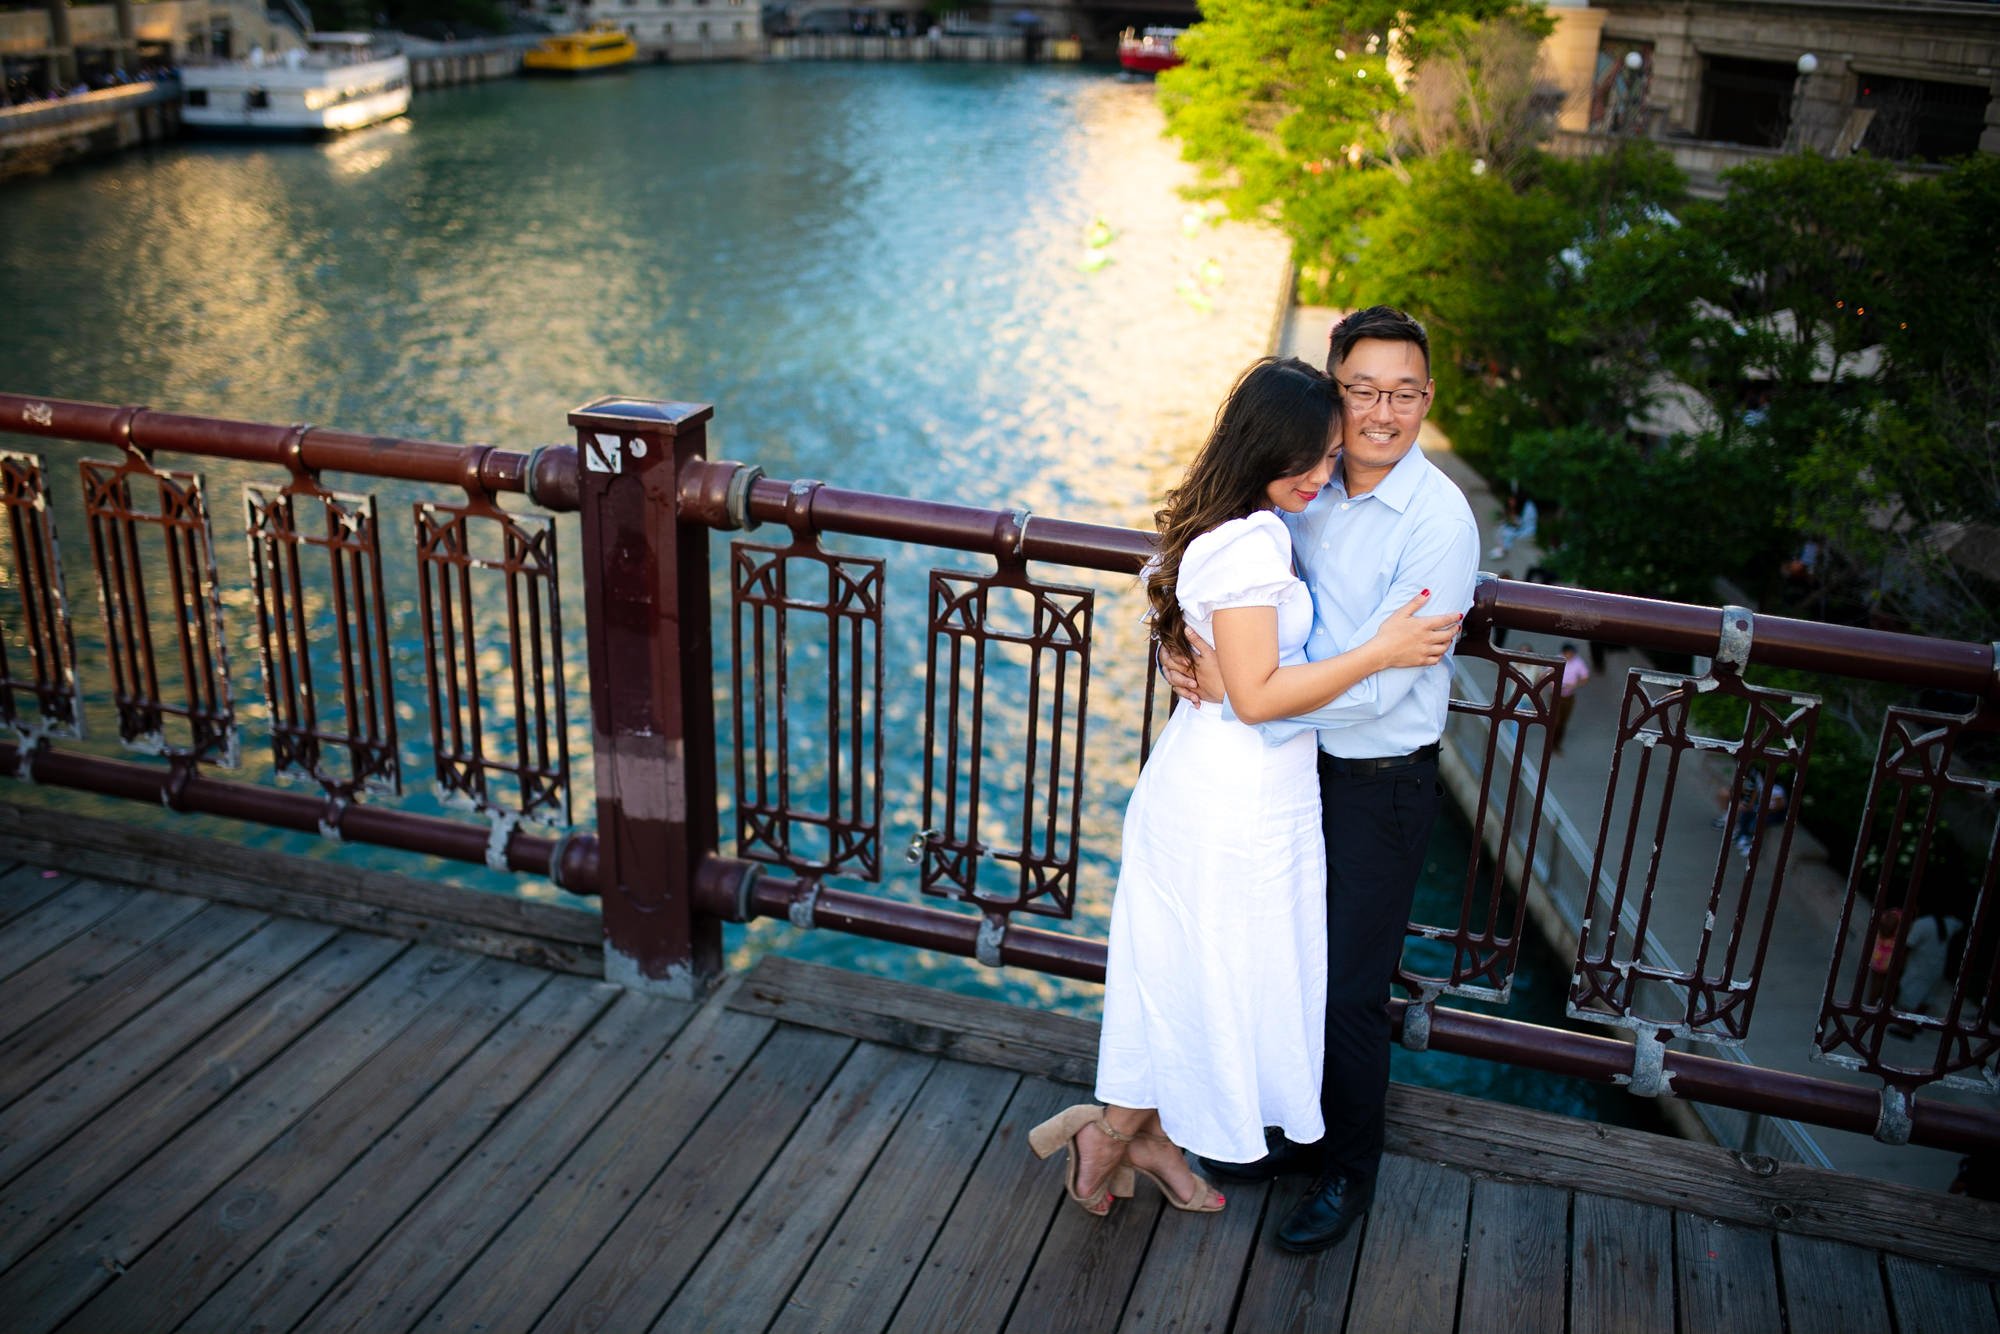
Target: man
<point>1388,526</point>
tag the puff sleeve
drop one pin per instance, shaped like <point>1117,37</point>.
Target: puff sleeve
<point>1246,562</point>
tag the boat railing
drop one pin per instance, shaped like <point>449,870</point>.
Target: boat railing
<point>938,766</point>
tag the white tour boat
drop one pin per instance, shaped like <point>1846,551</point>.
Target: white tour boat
<point>341,81</point>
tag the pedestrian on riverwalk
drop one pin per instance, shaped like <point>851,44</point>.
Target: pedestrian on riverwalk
<point>1882,958</point>
<point>1574,674</point>
<point>1518,524</point>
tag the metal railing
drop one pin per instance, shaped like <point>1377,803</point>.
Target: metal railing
<point>1006,683</point>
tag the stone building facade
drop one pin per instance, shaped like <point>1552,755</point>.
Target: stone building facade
<point>671,29</point>
<point>93,39</point>
<point>1726,81</point>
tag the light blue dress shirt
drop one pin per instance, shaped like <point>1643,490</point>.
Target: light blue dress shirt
<point>1364,557</point>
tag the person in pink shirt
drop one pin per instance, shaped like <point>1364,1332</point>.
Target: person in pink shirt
<point>1574,674</point>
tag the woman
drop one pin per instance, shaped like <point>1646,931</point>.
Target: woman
<point>1215,987</point>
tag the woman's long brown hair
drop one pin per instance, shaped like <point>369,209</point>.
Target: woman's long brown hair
<point>1277,422</point>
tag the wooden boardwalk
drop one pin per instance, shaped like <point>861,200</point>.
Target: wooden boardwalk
<point>217,1117</point>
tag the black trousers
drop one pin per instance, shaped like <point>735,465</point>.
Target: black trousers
<point>1377,829</point>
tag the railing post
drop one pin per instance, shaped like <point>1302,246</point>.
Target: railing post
<point>646,609</point>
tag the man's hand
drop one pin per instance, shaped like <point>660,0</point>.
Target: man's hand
<point>1193,679</point>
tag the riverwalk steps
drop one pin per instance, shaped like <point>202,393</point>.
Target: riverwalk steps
<point>217,1115</point>
<point>1808,915</point>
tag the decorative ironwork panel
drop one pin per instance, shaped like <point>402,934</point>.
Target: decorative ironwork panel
<point>808,790</point>
<point>492,618</point>
<point>1485,942</point>
<point>1865,1021</point>
<point>1628,969</point>
<point>33,572</point>
<point>1000,695</point>
<point>346,744</point>
<point>189,661</point>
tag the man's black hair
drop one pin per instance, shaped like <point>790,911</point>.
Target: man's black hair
<point>1384,322</point>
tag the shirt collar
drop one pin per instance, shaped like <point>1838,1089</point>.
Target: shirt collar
<point>1399,488</point>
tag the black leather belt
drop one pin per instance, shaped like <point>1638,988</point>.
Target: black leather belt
<point>1362,768</point>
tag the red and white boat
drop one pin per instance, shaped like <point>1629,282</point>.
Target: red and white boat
<point>1149,51</point>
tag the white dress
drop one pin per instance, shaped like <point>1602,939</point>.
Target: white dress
<point>1215,989</point>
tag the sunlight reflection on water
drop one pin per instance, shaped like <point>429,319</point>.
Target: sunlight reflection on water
<point>969,283</point>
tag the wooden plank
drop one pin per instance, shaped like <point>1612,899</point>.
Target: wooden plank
<point>1498,1140</point>
<point>637,1270</point>
<point>868,1261</point>
<point>1490,1139</point>
<point>923,1019</point>
<point>1931,1299</point>
<point>83,959</point>
<point>129,990</point>
<point>562,1226</point>
<point>56,1184</point>
<point>1516,1258</point>
<point>1412,1255</point>
<point>60,1274</point>
<point>1195,1264</point>
<point>276,1287</point>
<point>1727,1277</point>
<point>1296,1294</point>
<point>1831,1287</point>
<point>968,1281</point>
<point>413,1265</point>
<point>159,1287</point>
<point>1621,1267</point>
<point>1084,1271</point>
<point>22,887</point>
<point>543,935</point>
<point>108,1070</point>
<point>743,1280</point>
<point>56,919</point>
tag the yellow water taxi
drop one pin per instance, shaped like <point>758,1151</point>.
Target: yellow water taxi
<point>601,46</point>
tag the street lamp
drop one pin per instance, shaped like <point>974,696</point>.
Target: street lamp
<point>1627,112</point>
<point>1794,132</point>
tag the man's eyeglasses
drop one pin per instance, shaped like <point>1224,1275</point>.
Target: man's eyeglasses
<point>1362,397</point>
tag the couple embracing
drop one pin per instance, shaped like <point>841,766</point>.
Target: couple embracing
<point>1312,571</point>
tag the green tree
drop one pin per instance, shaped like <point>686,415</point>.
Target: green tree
<point>1814,356</point>
<point>1551,297</point>
<point>1856,307</point>
<point>1289,106</point>
<point>1907,486</point>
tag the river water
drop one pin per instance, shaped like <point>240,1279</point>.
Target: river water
<point>967,282</point>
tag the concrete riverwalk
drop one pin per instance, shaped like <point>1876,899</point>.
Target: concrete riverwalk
<point>1808,912</point>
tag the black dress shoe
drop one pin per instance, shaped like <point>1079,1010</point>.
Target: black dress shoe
<point>1283,1159</point>
<point>1332,1206</point>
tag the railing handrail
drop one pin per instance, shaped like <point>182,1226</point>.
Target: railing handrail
<point>727,495</point>
<point>724,495</point>
<point>546,475</point>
